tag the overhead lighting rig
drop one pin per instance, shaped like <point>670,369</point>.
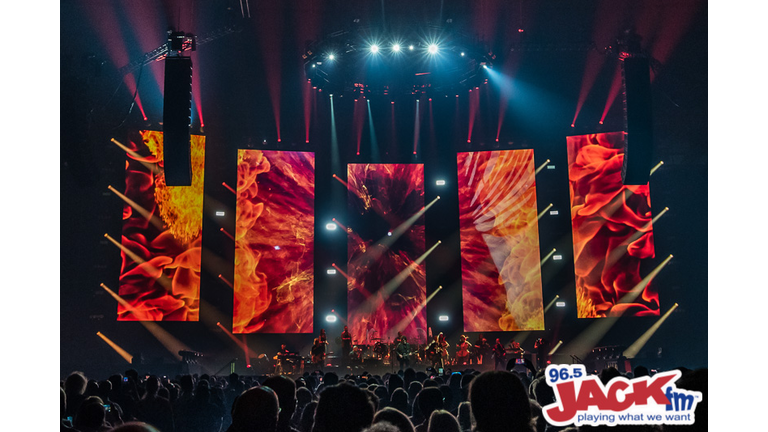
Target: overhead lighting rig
<point>353,61</point>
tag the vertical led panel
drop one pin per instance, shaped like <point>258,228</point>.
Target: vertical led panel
<point>274,242</point>
<point>612,230</point>
<point>386,283</point>
<point>162,234</point>
<point>500,260</point>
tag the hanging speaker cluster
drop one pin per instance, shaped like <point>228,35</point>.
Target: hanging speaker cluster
<point>638,111</point>
<point>177,113</point>
<point>638,145</point>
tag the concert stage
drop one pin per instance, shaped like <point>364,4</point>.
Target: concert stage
<point>528,173</point>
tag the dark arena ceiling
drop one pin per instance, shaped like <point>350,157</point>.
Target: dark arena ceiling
<point>255,62</point>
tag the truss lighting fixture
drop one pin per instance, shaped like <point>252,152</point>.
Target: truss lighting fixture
<point>557,257</point>
<point>374,48</point>
<point>330,226</point>
<point>560,304</point>
<point>432,48</point>
<point>396,47</point>
<point>440,182</point>
<point>443,318</point>
<point>331,271</point>
<point>331,57</point>
<point>220,213</point>
<point>410,47</point>
<point>330,318</point>
<point>554,213</point>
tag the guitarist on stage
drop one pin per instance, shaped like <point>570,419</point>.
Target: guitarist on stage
<point>403,352</point>
<point>480,350</point>
<point>318,353</point>
<point>346,346</point>
<point>500,355</point>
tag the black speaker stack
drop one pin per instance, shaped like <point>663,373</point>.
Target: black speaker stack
<point>177,114</point>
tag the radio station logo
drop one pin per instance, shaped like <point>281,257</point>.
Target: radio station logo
<point>583,399</point>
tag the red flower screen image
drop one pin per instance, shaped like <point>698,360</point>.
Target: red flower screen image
<point>612,229</point>
<point>274,242</point>
<point>386,285</point>
<point>500,260</point>
<point>161,236</point>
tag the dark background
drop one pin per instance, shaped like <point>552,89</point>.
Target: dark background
<point>240,71</point>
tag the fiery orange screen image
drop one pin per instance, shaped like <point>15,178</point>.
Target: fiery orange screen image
<point>161,238</point>
<point>500,260</point>
<point>274,242</point>
<point>386,286</point>
<point>612,229</point>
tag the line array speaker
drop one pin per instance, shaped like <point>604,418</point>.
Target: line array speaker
<point>177,118</point>
<point>638,145</point>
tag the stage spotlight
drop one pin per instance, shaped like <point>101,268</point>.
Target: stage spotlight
<point>658,165</point>
<point>462,54</point>
<point>410,47</point>
<point>485,66</point>
<point>432,48</point>
<point>440,182</point>
<point>330,318</point>
<point>331,271</point>
<point>374,48</point>
<point>396,47</point>
<point>557,257</point>
<point>331,57</point>
<point>220,213</point>
<point>560,304</point>
<point>330,226</point>
<point>389,233</point>
<point>442,318</point>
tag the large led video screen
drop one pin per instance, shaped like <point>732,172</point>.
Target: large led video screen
<point>612,230</point>
<point>161,235</point>
<point>274,242</point>
<point>500,259</point>
<point>385,239</point>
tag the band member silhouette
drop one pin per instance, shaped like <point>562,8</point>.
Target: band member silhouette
<point>346,346</point>
<point>403,353</point>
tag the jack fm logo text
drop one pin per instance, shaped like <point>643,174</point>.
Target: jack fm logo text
<point>583,399</point>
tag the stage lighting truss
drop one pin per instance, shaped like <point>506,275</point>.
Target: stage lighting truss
<point>346,62</point>
<point>189,42</point>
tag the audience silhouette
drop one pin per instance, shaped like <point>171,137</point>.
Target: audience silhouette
<point>403,401</point>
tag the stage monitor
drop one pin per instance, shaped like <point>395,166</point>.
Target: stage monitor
<point>500,258</point>
<point>274,242</point>
<point>385,239</point>
<point>612,230</point>
<point>161,235</point>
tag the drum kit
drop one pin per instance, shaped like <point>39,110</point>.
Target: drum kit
<point>375,350</point>
<point>289,362</point>
<point>382,350</point>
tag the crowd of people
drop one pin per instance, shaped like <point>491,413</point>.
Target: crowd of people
<point>406,401</point>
